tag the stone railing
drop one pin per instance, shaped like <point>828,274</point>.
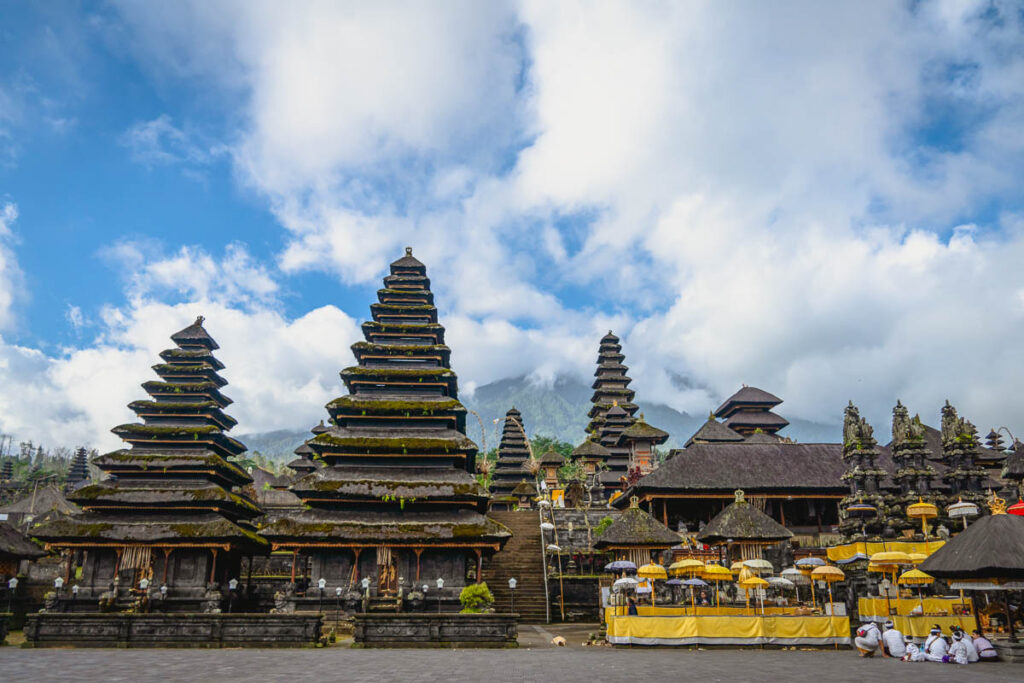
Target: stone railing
<point>435,630</point>
<point>171,630</point>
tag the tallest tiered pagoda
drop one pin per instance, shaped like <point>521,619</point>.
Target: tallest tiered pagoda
<point>397,501</point>
<point>171,510</point>
<point>612,408</point>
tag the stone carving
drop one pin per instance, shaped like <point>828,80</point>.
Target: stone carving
<point>284,601</point>
<point>212,599</point>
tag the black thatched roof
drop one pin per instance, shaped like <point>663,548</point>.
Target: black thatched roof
<point>408,261</point>
<point>552,458</point>
<point>524,488</point>
<point>990,548</point>
<point>1013,467</point>
<point>636,528</point>
<point>641,430</point>
<point>766,419</point>
<point>725,467</point>
<point>590,449</point>
<point>43,500</point>
<point>713,431</point>
<point>14,545</point>
<point>747,396</point>
<point>741,521</point>
<point>195,334</point>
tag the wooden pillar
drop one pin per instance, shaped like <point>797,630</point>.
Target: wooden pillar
<point>664,512</point>
<point>418,551</point>
<point>782,512</point>
<point>167,561</point>
<point>67,570</point>
<point>479,565</point>
<point>295,555</point>
<point>117,564</point>
<point>356,565</point>
<point>213,565</point>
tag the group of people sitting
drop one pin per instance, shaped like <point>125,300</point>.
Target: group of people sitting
<point>961,648</point>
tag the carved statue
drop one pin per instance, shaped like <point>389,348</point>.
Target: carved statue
<point>212,599</point>
<point>851,420</point>
<point>284,601</point>
<point>49,602</point>
<point>900,424</point>
<point>950,424</point>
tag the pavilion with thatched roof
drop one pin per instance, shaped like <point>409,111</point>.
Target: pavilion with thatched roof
<point>636,536</point>
<point>743,525</point>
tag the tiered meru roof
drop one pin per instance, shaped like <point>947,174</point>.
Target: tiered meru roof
<point>749,410</point>
<point>512,453</point>
<point>613,408</point>
<point>174,484</point>
<point>399,467</point>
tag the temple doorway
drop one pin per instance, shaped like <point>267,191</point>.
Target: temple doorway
<point>387,572</point>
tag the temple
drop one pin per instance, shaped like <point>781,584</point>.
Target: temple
<point>170,510</point>
<point>79,470</point>
<point>612,410</point>
<point>512,453</point>
<point>749,410</point>
<point>397,502</point>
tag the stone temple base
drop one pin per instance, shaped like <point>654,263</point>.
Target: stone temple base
<point>436,630</point>
<point>1010,652</point>
<point>171,630</point>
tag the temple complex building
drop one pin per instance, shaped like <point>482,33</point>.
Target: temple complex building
<point>397,503</point>
<point>512,453</point>
<point>79,470</point>
<point>170,510</point>
<point>749,410</point>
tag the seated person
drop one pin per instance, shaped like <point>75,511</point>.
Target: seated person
<point>913,652</point>
<point>935,648</point>
<point>986,653</point>
<point>892,642</point>
<point>867,639</point>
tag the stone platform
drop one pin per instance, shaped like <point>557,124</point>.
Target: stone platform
<point>171,630</point>
<point>436,630</point>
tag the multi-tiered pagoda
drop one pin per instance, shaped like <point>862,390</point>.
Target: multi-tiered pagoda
<point>512,453</point>
<point>170,510</point>
<point>397,502</point>
<point>749,410</point>
<point>79,470</point>
<point>960,452</point>
<point>613,409</point>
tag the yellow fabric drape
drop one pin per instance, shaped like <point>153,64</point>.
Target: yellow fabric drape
<point>875,607</point>
<point>728,630</point>
<point>863,550</point>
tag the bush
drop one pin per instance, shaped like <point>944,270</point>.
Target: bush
<point>476,598</point>
<point>602,525</point>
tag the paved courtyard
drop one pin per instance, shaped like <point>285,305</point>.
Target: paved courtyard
<point>535,660</point>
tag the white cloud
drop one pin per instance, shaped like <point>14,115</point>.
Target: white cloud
<point>11,278</point>
<point>160,143</point>
<point>773,188</point>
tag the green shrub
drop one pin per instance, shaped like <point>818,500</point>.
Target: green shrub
<point>476,598</point>
<point>602,525</point>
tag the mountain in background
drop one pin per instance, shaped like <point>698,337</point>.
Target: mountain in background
<point>557,410</point>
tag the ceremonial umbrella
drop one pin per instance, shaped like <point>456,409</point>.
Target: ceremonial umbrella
<point>888,561</point>
<point>780,582</point>
<point>829,575</point>
<point>924,511</point>
<point>620,566</point>
<point>807,565</point>
<point>736,567</point>
<point>917,558</point>
<point>690,567</point>
<point>916,577</point>
<point>716,573</point>
<point>797,577</point>
<point>963,510</point>
<point>694,583</point>
<point>760,565</point>
<point>750,584</point>
<point>652,571</point>
<point>623,584</point>
<point>1017,508</point>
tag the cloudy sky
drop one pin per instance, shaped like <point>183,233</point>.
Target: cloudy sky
<point>820,199</point>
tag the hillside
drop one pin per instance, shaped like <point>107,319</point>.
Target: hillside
<point>558,410</point>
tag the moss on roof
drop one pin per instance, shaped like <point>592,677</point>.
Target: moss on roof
<point>635,527</point>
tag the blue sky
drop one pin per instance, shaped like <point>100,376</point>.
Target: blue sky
<point>820,200</point>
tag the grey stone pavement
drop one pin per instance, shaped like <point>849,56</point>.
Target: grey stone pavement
<point>535,660</point>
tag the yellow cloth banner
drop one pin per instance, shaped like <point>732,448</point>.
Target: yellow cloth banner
<point>683,611</point>
<point>919,626</point>
<point>875,607</point>
<point>768,630</point>
<point>863,550</point>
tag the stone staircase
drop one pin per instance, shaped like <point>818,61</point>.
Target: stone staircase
<point>521,558</point>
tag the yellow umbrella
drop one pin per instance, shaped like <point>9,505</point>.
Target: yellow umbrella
<point>829,575</point>
<point>917,558</point>
<point>652,571</point>
<point>736,567</point>
<point>751,583</point>
<point>716,573</point>
<point>689,567</point>
<point>916,577</point>
<point>888,561</point>
<point>924,511</point>
<point>745,574</point>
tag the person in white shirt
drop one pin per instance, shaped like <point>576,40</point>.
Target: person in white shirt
<point>986,652</point>
<point>957,651</point>
<point>892,642</point>
<point>867,639</point>
<point>972,651</point>
<point>914,653</point>
<point>935,648</point>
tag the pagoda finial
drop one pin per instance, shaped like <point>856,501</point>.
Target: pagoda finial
<point>739,496</point>
<point>996,505</point>
<point>408,251</point>
<point>634,501</point>
<point>199,320</point>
